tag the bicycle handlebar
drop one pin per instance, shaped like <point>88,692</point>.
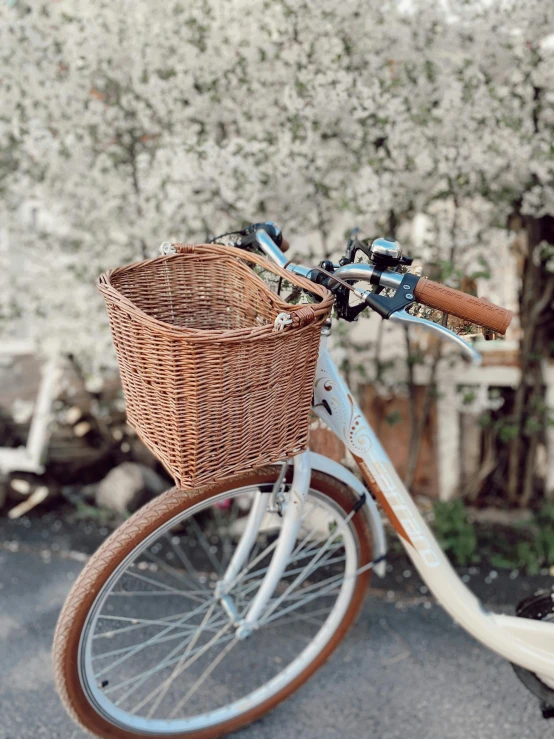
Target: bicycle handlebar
<point>464,306</point>
<point>432,294</point>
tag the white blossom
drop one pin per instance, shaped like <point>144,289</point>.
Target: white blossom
<point>128,124</point>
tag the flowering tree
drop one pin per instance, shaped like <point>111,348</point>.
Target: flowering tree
<point>127,124</point>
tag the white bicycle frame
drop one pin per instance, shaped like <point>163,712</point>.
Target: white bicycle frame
<point>525,642</point>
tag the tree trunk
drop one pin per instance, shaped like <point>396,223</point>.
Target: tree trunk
<point>529,417</point>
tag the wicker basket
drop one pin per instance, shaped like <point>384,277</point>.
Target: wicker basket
<point>212,388</point>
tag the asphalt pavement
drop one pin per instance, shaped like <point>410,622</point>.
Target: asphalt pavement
<point>404,672</point>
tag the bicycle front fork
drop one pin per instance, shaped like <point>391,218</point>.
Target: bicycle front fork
<point>292,509</point>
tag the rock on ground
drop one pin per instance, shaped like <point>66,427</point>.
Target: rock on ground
<point>127,486</point>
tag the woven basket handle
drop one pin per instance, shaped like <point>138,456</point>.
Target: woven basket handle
<point>300,314</point>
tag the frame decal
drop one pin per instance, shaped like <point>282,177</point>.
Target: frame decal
<point>380,496</point>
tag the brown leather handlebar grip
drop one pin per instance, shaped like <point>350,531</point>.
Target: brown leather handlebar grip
<point>464,306</point>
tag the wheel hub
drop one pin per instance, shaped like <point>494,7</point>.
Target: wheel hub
<point>244,630</point>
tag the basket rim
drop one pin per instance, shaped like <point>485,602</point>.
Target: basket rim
<point>116,298</point>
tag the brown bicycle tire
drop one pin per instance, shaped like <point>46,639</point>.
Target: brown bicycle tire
<point>128,536</point>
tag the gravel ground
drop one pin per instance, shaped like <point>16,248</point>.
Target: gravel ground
<point>405,669</point>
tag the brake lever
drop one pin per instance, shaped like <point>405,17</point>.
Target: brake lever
<point>468,352</point>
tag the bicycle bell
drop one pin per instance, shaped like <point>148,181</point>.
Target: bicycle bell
<point>385,253</point>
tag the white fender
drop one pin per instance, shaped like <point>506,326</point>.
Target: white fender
<point>338,471</point>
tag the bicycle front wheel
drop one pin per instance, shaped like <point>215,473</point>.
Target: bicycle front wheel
<point>144,645</point>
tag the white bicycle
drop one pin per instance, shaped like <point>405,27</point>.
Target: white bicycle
<point>201,613</point>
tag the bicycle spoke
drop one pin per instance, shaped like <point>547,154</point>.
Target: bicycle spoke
<point>288,573</point>
<point>141,678</point>
<point>185,561</point>
<point>249,566</point>
<point>177,670</point>
<point>217,661</point>
<point>166,588</point>
<point>317,588</point>
<point>306,571</point>
<point>177,574</point>
<point>138,623</point>
<point>169,663</point>
<point>333,582</point>
<point>285,621</point>
<point>204,543</point>
<point>226,545</point>
<point>191,630</point>
<point>156,638</point>
<point>139,593</point>
<point>202,650</point>
<point>291,594</point>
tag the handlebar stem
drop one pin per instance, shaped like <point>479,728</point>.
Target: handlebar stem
<point>368,273</point>
<point>270,248</point>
